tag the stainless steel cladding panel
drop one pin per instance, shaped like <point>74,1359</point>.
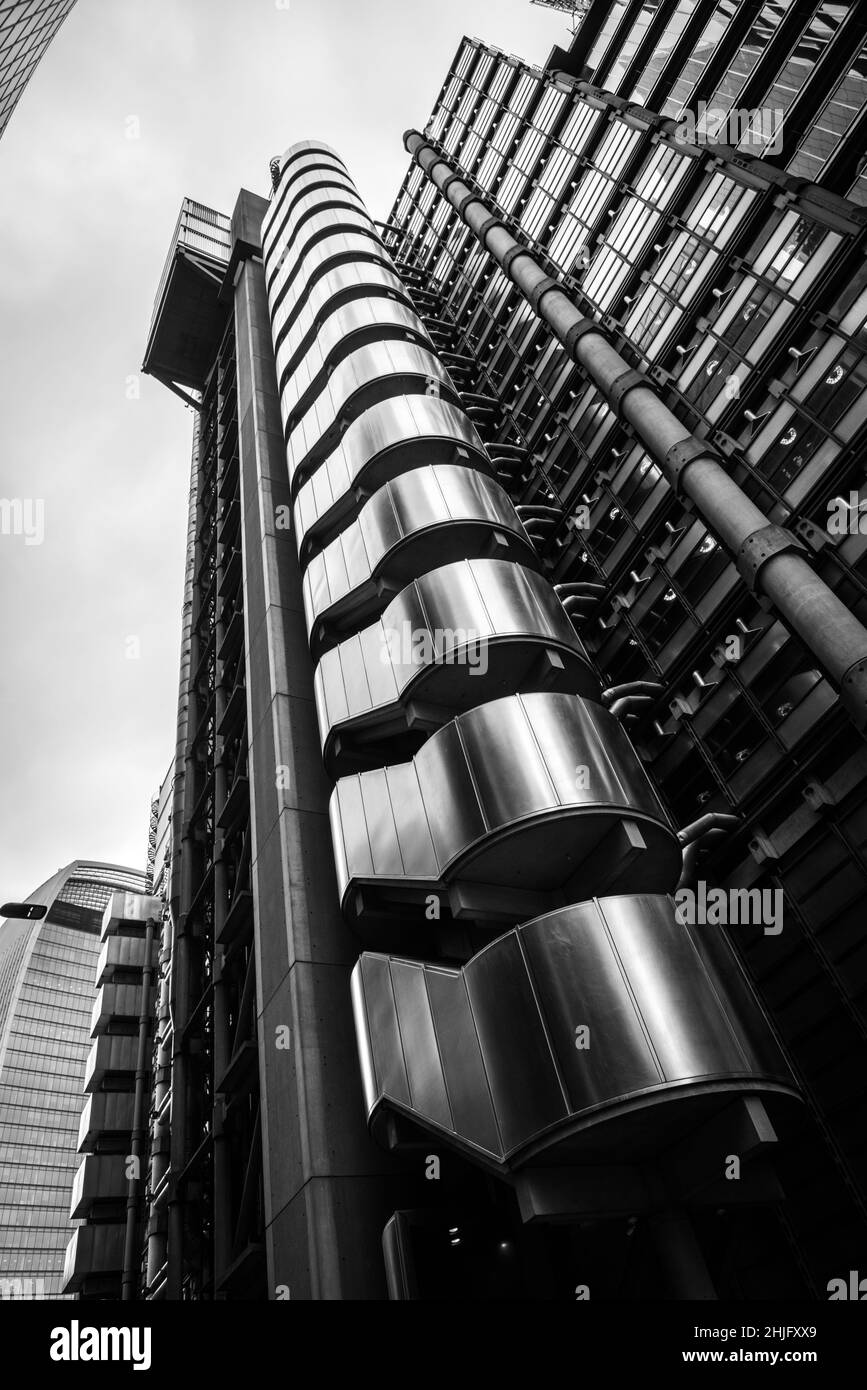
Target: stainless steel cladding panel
<point>365,376</point>
<point>298,160</point>
<point>392,437</point>
<point>527,794</point>
<point>660,1023</point>
<point>345,329</point>
<point>315,176</point>
<point>328,247</point>
<point>321,238</point>
<point>340,285</point>
<point>498,796</point>
<point>316,185</point>
<point>308,213</point>
<point>317,190</point>
<point>408,527</point>
<point>454,639</point>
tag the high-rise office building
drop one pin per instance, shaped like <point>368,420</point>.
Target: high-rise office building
<point>160,837</point>
<point>517,601</point>
<point>730,290</point>
<point>46,998</point>
<point>124,1081</point>
<point>104,1254</point>
<point>26,29</point>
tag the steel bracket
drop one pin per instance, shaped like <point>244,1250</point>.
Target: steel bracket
<point>578,329</point>
<point>759,547</point>
<point>488,226</point>
<point>447,183</point>
<point>624,383</point>
<point>464,202</point>
<point>536,295</point>
<point>512,253</point>
<point>680,456</point>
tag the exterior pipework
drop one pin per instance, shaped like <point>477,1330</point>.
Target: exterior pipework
<point>768,557</point>
<point>160,1139</point>
<point>221,1003</point>
<point>129,1281</point>
<point>185,774</point>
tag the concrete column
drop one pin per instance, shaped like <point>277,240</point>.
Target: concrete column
<point>326,1194</point>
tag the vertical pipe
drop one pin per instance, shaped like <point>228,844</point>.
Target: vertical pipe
<point>182,882</point>
<point>129,1277</point>
<point>220,1053</point>
<point>768,557</point>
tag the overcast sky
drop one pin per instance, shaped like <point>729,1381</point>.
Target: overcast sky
<point>216,87</point>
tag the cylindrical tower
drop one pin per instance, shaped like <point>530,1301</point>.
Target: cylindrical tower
<point>532,998</point>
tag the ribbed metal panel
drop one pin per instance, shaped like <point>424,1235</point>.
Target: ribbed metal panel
<point>524,793</point>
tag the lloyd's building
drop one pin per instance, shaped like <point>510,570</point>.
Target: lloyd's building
<point>433,1026</point>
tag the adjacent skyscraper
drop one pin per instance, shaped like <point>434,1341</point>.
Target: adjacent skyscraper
<point>47,993</point>
<point>104,1254</point>
<point>125,1081</point>
<point>26,29</point>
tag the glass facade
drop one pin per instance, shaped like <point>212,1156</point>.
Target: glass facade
<point>793,73</point>
<point>26,29</point>
<point>202,236</point>
<point>47,989</point>
<point>741,294</point>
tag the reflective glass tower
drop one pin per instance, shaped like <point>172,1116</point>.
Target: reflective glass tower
<point>26,29</point>
<point>47,993</point>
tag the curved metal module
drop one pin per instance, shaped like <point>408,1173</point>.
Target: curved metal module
<point>486,1055</point>
<point>338,331</point>
<point>407,527</point>
<point>324,239</point>
<point>478,769</point>
<point>347,327</point>
<point>309,198</point>
<point>312,178</point>
<point>390,438</point>
<point>304,155</point>
<point>311,219</point>
<point>340,286</point>
<point>539,794</point>
<point>370,374</point>
<point>454,639</point>
<point>326,249</point>
<point>423,518</point>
